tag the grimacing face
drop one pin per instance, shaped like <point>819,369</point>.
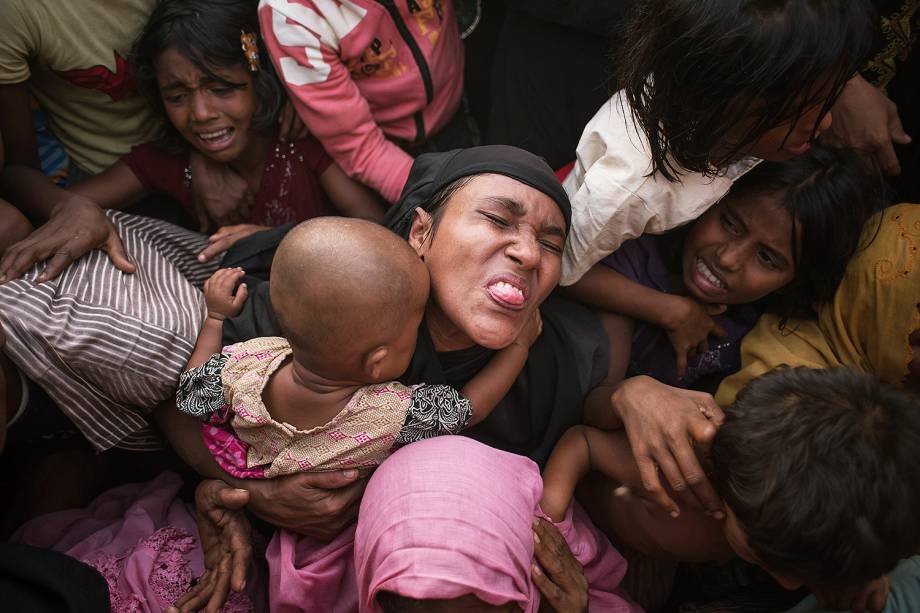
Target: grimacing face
<point>494,256</point>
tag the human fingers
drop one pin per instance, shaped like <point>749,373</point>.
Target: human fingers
<point>887,158</point>
<point>216,248</point>
<point>223,232</point>
<point>651,483</point>
<point>116,250</point>
<point>895,127</point>
<point>702,432</point>
<point>718,331</point>
<point>681,364</point>
<point>221,587</point>
<point>240,297</point>
<point>715,309</point>
<point>704,494</point>
<point>197,597</point>
<point>702,347</point>
<point>60,260</point>
<point>331,480</point>
<point>19,258</point>
<point>549,590</point>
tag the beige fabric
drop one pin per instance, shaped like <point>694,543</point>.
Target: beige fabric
<point>74,55</point>
<point>361,435</point>
<point>614,199</point>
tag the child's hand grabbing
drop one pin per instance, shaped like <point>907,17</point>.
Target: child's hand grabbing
<point>219,294</point>
<point>531,330</point>
<point>690,325</point>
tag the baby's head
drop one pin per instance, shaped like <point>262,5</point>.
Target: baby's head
<point>819,475</point>
<point>349,295</point>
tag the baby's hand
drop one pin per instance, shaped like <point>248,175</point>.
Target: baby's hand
<point>690,327</point>
<point>870,597</point>
<point>531,330</point>
<point>219,293</point>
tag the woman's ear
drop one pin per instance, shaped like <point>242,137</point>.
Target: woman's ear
<point>420,231</point>
<point>374,361</point>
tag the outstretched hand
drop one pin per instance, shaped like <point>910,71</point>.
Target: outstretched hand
<point>665,426</point>
<point>227,545</point>
<point>76,227</point>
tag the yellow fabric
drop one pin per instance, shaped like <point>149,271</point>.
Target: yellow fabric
<point>361,435</point>
<point>74,55</point>
<point>865,326</point>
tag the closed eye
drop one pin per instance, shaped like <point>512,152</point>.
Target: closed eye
<point>497,220</point>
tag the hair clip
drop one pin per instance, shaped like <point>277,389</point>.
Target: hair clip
<point>250,49</point>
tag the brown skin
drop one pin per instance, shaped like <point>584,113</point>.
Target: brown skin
<point>865,119</point>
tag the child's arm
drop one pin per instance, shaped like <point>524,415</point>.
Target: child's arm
<point>350,197</point>
<point>115,188</point>
<point>580,450</point>
<point>489,386</point>
<point>687,322</point>
<point>222,303</point>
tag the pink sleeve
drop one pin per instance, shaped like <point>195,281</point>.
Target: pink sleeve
<point>332,107</point>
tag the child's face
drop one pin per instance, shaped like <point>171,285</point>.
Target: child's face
<point>214,117</point>
<point>790,138</point>
<point>737,539</point>
<point>739,251</point>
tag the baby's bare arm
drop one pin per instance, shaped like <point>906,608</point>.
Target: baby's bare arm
<point>489,386</point>
<point>581,449</point>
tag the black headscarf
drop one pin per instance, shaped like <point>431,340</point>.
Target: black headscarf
<point>568,359</point>
<point>432,172</point>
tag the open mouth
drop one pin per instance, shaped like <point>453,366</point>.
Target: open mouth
<point>217,139</point>
<point>706,274</point>
<point>508,292</point>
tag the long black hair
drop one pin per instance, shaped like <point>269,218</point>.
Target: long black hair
<point>207,32</point>
<point>692,70</point>
<point>830,194</point>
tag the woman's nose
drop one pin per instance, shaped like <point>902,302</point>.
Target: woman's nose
<point>525,250</point>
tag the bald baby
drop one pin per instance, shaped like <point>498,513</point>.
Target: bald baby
<point>341,287</point>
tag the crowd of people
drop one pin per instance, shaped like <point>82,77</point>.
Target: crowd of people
<point>453,305</point>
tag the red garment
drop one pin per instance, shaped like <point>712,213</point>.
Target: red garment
<point>289,191</point>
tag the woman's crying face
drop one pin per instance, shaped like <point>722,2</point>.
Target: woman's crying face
<point>494,256</point>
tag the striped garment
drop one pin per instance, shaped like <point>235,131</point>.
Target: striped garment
<point>108,346</point>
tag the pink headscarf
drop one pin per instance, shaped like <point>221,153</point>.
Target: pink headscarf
<point>449,516</point>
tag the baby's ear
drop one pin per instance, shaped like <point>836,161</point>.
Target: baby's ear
<point>373,362</point>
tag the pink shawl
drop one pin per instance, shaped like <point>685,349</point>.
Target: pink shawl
<point>440,518</point>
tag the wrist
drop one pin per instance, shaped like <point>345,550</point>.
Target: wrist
<point>215,319</point>
<point>671,312</point>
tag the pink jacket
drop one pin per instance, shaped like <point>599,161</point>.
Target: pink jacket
<point>359,71</point>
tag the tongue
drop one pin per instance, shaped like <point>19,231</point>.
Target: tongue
<point>506,294</point>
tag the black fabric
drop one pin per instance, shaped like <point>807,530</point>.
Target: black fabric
<point>553,68</point>
<point>39,580</point>
<point>433,171</point>
<point>545,400</point>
